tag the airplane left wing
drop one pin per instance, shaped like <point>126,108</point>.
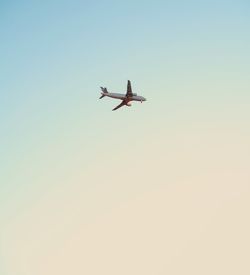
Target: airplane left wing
<point>120,105</point>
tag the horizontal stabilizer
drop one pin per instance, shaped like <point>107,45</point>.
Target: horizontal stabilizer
<point>104,92</point>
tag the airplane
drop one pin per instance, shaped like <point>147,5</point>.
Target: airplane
<point>126,98</point>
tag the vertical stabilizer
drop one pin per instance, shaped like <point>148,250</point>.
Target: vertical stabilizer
<point>104,92</point>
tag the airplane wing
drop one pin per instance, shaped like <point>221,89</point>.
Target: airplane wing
<point>129,89</point>
<point>120,105</point>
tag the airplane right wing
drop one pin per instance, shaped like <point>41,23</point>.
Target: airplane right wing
<point>120,105</point>
<point>129,89</point>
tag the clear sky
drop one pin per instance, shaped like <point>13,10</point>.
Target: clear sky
<point>161,187</point>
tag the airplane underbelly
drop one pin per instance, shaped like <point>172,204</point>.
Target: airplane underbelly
<point>136,98</point>
<point>117,96</point>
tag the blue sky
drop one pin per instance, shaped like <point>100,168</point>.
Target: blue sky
<point>61,145</point>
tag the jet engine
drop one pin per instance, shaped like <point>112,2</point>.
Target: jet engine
<point>128,104</point>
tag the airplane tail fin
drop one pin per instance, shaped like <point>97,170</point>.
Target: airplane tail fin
<point>104,92</point>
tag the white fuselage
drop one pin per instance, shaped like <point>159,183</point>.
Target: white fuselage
<point>124,97</point>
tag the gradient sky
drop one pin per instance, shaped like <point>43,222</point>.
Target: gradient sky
<point>161,187</point>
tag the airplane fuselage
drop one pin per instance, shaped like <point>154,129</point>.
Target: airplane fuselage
<point>124,97</point>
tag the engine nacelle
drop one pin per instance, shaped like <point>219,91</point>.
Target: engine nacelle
<point>128,104</point>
